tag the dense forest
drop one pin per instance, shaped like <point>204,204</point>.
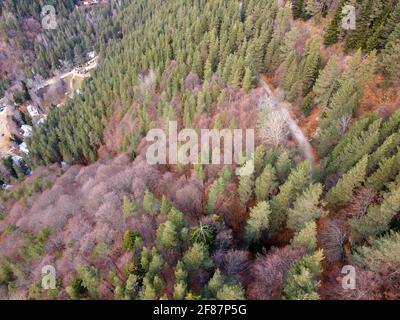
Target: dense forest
<point>114,226</point>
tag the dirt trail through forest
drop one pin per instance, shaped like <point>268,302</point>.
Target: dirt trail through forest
<point>277,101</point>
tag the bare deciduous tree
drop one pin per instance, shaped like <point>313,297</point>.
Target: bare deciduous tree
<point>332,239</point>
<point>275,128</point>
<point>268,273</point>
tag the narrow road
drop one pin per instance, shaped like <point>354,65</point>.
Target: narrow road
<point>298,135</point>
<point>88,66</point>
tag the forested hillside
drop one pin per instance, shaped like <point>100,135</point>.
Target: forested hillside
<point>114,226</point>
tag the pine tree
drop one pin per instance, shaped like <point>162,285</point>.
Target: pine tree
<point>128,207</point>
<point>365,73</point>
<point>357,38</point>
<point>148,291</point>
<point>199,171</point>
<point>389,27</point>
<point>130,240</point>
<point>180,286</point>
<point>327,81</point>
<point>208,72</point>
<point>297,182</point>
<point>305,208</point>
<point>291,69</point>
<point>289,45</point>
<point>355,149</point>
<point>248,80</point>
<point>388,169</point>
<point>150,204</point>
<point>259,160</point>
<point>197,66</point>
<point>258,221</point>
<point>216,282</point>
<point>167,235</point>
<point>333,32</point>
<point>378,218</point>
<point>265,183</point>
<point>177,219</point>
<point>390,126</point>
<point>342,193</point>
<point>313,8</point>
<point>231,292</point>
<point>196,257</point>
<point>298,9</point>
<point>283,166</point>
<point>165,206</point>
<point>301,280</point>
<point>391,57</point>
<point>344,103</point>
<point>215,191</point>
<point>306,237</point>
<point>246,185</point>
<point>386,149</point>
<point>90,277</point>
<point>384,250</point>
<point>310,65</point>
<point>273,56</point>
<point>355,131</point>
<point>307,104</point>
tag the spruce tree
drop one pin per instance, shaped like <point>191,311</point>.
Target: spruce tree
<point>259,160</point>
<point>265,183</point>
<point>180,286</point>
<point>388,169</point>
<point>248,80</point>
<point>342,193</point>
<point>258,221</point>
<point>150,204</point>
<point>391,56</point>
<point>306,237</point>
<point>231,292</point>
<point>333,31</point>
<point>385,150</point>
<point>310,65</point>
<point>378,218</point>
<point>283,166</point>
<point>216,282</point>
<point>306,208</point>
<point>390,126</point>
<point>326,82</point>
<point>246,185</point>
<point>384,250</point>
<point>302,278</point>
<point>196,257</point>
<point>298,180</point>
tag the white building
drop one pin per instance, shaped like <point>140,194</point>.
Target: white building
<point>91,54</point>
<point>27,130</point>
<point>23,147</point>
<point>32,110</point>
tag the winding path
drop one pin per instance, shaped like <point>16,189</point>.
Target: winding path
<point>302,141</point>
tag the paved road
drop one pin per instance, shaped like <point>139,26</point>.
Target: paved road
<point>301,140</point>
